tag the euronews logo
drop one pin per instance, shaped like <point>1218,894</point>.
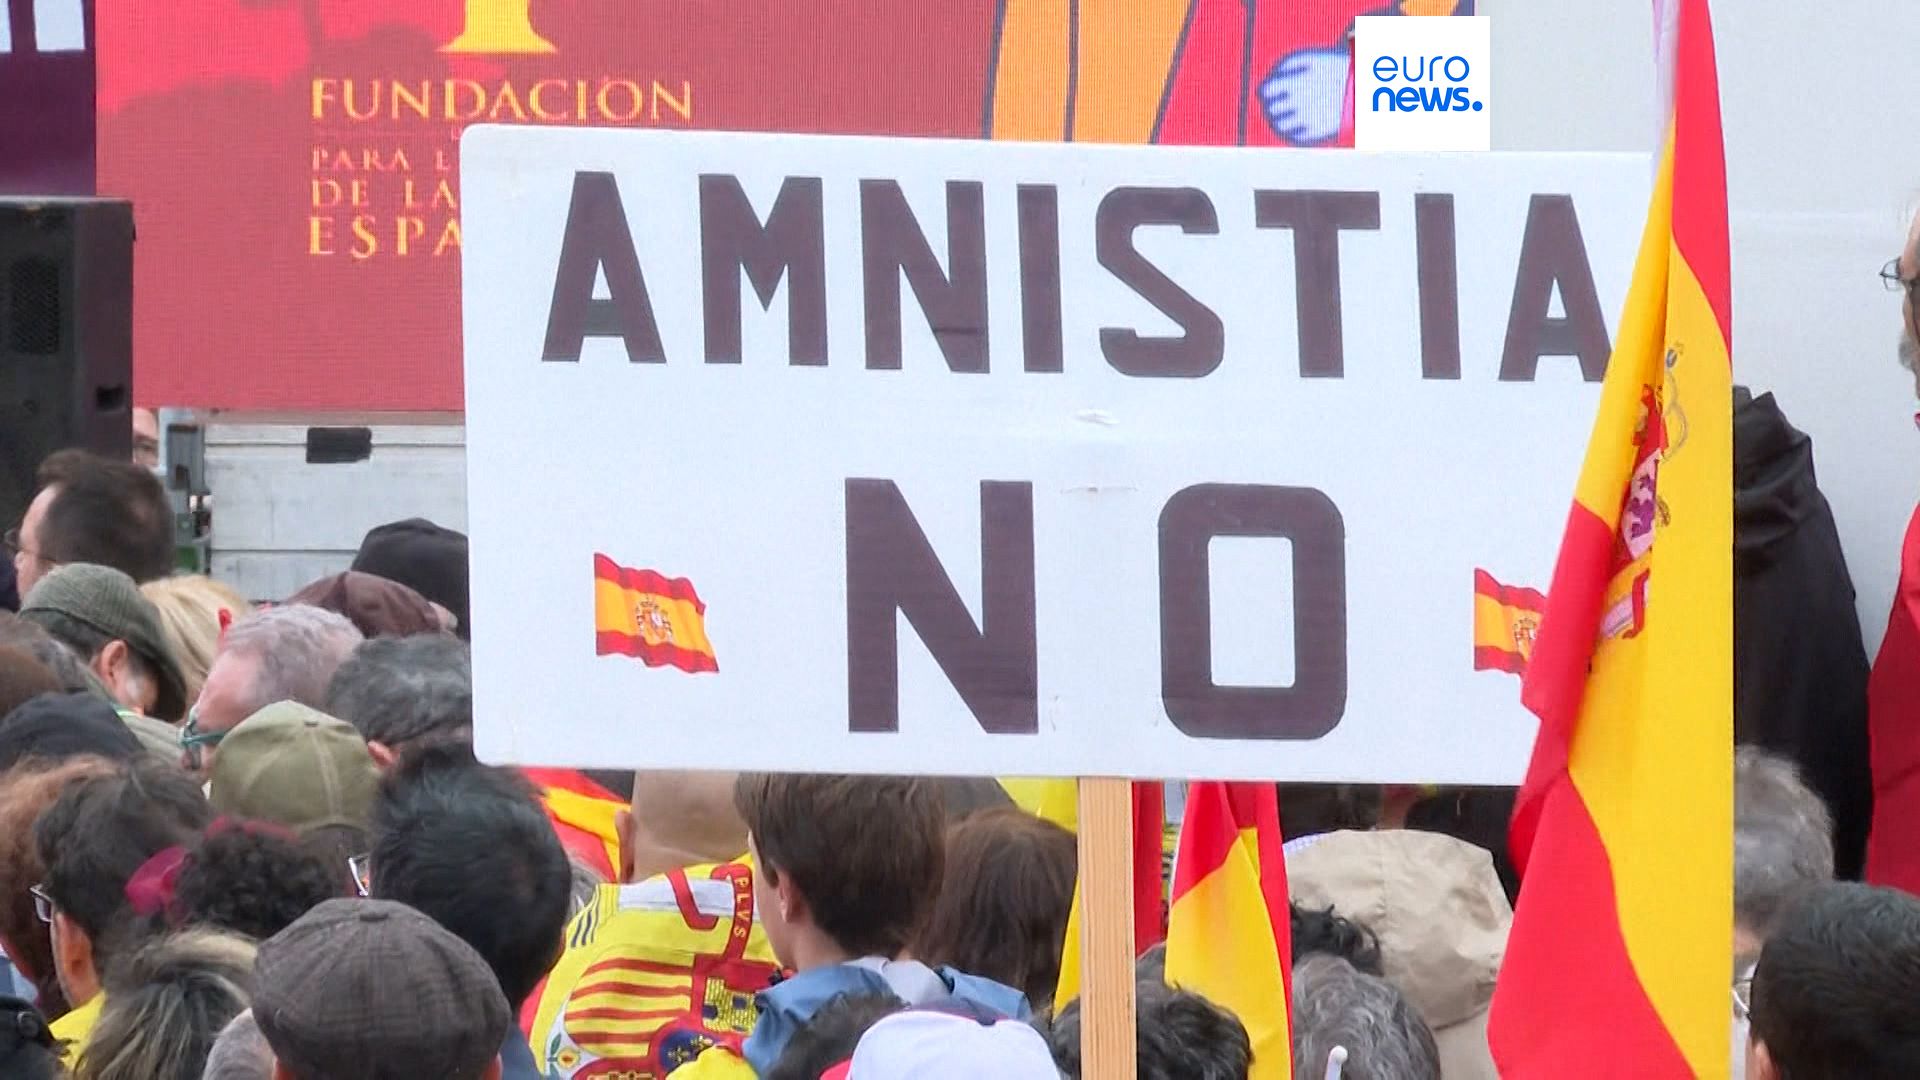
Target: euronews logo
<point>1422,82</point>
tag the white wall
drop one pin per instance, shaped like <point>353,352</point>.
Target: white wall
<point>1822,120</point>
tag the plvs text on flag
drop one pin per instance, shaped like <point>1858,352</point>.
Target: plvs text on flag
<point>1021,458</point>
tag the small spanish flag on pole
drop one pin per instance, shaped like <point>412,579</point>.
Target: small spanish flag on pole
<point>1622,940</point>
<point>655,619</point>
<point>1505,621</point>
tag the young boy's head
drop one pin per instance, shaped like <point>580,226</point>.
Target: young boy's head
<point>846,866</point>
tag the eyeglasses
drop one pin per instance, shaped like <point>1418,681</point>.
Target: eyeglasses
<point>193,741</point>
<point>1890,277</point>
<point>43,904</point>
<point>361,867</point>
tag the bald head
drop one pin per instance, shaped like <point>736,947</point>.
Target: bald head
<point>680,819</point>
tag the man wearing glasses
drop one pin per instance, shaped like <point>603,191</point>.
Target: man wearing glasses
<point>1893,690</point>
<point>93,510</point>
<point>1902,274</point>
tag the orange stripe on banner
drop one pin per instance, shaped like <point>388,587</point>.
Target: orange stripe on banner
<point>1125,53</point>
<point>1700,166</point>
<point>1550,976</point>
<point>1031,86</point>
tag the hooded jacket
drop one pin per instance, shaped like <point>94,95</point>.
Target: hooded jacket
<point>787,1007</point>
<point>1442,918</point>
<point>1799,667</point>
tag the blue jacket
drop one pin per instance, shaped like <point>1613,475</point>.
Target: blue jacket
<point>787,1007</point>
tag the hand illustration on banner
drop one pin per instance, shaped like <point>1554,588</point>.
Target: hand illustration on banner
<point>1303,93</point>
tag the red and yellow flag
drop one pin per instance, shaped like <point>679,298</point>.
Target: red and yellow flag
<point>1621,942</point>
<point>656,619</point>
<point>1229,937</point>
<point>1505,621</point>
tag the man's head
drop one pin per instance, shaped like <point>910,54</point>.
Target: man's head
<point>297,768</point>
<point>372,990</point>
<point>92,841</point>
<point>281,654</point>
<point>470,846</point>
<point>1904,274</point>
<point>405,690</point>
<point>1181,1036</point>
<point>100,614</point>
<point>1782,844</point>
<point>679,819</point>
<point>94,510</point>
<point>1336,1005</point>
<point>427,558</point>
<point>848,865</point>
<point>1836,995</point>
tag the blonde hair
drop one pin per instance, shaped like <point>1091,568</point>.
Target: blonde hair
<point>167,1005</point>
<point>190,609</point>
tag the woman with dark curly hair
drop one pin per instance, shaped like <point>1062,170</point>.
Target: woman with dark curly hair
<point>251,879</point>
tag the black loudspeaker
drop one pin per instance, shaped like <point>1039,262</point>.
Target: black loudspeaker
<point>66,336</point>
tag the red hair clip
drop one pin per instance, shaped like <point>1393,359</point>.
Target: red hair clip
<point>150,890</point>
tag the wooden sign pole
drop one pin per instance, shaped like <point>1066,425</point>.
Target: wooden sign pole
<point>1107,1044</point>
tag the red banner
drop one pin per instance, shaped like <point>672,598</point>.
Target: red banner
<point>294,163</point>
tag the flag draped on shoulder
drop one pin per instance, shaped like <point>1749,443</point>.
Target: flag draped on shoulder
<point>1621,942</point>
<point>653,618</point>
<point>1229,936</point>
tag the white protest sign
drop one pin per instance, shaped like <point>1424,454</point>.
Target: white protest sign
<point>887,455</point>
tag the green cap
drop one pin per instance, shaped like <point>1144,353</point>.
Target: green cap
<point>294,766</point>
<point>109,602</point>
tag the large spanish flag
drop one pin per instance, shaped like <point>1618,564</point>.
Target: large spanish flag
<point>653,618</point>
<point>1229,936</point>
<point>1621,943</point>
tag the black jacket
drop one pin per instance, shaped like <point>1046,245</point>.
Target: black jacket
<point>1799,668</point>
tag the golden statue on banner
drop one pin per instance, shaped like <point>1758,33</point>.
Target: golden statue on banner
<point>499,26</point>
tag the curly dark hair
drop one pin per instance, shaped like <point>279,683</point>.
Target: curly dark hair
<point>1319,930</point>
<point>250,880</point>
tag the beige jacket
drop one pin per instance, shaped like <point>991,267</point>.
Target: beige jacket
<point>1442,919</point>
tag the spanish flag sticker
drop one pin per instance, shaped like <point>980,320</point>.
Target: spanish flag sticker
<point>657,620</point>
<point>1504,621</point>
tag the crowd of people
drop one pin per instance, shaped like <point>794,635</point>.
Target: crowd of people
<point>253,842</point>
